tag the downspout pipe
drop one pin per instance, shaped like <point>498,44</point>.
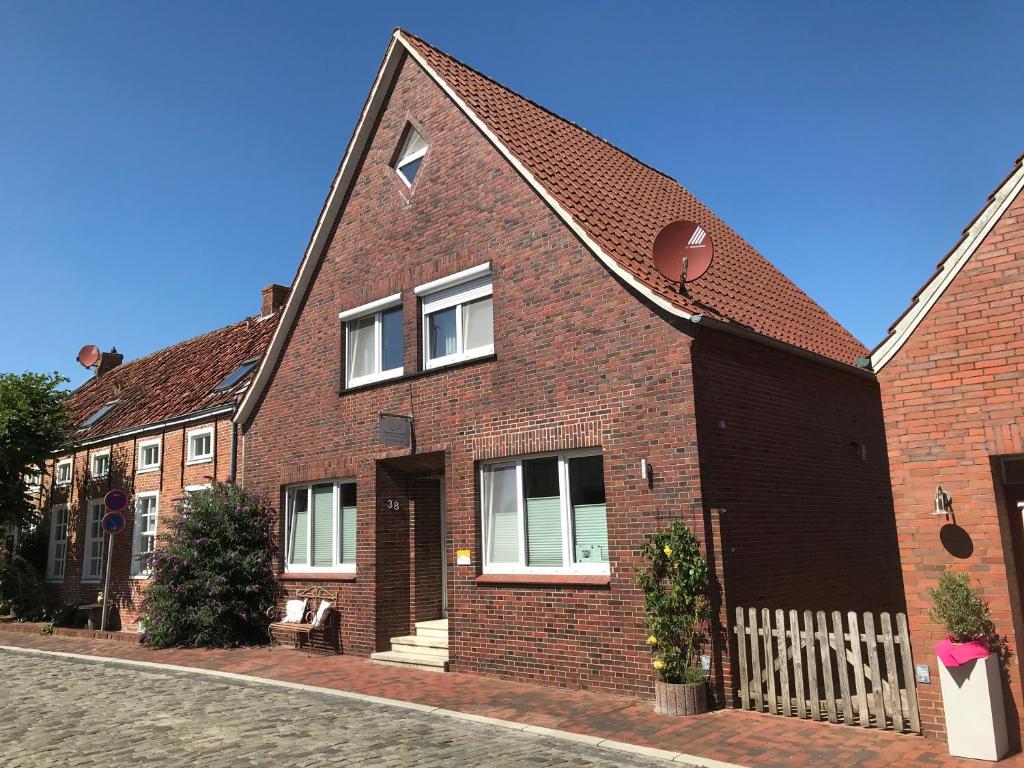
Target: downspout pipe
<point>234,449</point>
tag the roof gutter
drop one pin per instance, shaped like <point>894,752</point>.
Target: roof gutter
<point>197,416</point>
<point>745,333</point>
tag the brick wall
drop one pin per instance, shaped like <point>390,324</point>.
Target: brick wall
<point>174,474</point>
<point>952,399</point>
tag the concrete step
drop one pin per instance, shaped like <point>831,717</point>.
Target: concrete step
<point>411,660</point>
<point>433,628</point>
<point>425,646</point>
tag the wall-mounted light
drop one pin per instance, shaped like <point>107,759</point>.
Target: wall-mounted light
<point>943,501</point>
<point>643,469</point>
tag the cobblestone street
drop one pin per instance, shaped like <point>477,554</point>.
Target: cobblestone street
<point>65,712</point>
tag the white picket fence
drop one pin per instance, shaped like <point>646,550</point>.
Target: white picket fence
<point>817,670</point>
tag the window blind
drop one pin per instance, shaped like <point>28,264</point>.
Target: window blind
<point>299,527</point>
<point>323,526</point>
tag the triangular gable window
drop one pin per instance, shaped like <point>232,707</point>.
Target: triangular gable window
<point>411,155</point>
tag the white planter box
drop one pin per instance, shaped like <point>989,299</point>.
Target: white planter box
<point>972,698</point>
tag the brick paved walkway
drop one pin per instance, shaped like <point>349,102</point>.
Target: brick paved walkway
<point>732,736</point>
<point>79,713</point>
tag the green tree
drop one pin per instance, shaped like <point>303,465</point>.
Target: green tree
<point>34,423</point>
<point>213,572</point>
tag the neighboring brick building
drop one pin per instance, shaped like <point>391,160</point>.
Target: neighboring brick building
<point>951,372</point>
<point>477,361</point>
<point>155,427</point>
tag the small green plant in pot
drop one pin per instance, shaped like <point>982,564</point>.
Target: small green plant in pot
<point>972,696</point>
<point>675,584</point>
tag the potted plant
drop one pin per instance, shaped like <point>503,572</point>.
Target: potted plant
<point>972,691</point>
<point>675,583</point>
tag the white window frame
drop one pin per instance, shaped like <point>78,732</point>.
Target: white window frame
<point>57,512</point>
<point>403,160</point>
<point>92,464</point>
<point>336,528</point>
<point>92,506</point>
<point>377,309</point>
<point>568,555</point>
<point>137,569</point>
<point>143,444</point>
<point>455,291</point>
<point>203,459</point>
<point>69,463</point>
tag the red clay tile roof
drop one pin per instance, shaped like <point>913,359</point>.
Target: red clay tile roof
<point>174,382</point>
<point>622,204</point>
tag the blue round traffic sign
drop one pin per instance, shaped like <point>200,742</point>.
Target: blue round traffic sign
<point>115,500</point>
<point>113,522</point>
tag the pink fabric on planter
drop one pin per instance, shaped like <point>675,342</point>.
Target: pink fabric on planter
<point>954,654</point>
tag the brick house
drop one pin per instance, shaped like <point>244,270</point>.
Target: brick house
<point>951,372</point>
<point>482,397</point>
<point>156,427</point>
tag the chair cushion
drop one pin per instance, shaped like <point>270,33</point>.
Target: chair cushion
<point>294,611</point>
<point>320,613</point>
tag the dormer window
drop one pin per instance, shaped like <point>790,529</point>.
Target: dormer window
<point>103,411</point>
<point>236,376</point>
<point>410,156</point>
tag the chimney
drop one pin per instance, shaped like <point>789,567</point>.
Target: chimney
<point>108,361</point>
<point>274,297</point>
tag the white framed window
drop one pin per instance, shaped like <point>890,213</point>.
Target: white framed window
<point>58,549</point>
<point>99,464</point>
<point>458,317</point>
<point>144,538</point>
<point>92,563</point>
<point>63,472</point>
<point>321,527</point>
<point>545,514</point>
<point>410,156</point>
<point>34,479</point>
<point>200,446</point>
<point>149,455</point>
<point>374,345</point>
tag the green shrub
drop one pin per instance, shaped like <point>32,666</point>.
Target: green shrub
<point>213,574</point>
<point>20,586</point>
<point>46,629</point>
<point>70,616</point>
<point>958,608</point>
<point>675,584</point>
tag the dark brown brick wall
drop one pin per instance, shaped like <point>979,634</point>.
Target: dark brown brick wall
<point>579,362</point>
<point>952,398</point>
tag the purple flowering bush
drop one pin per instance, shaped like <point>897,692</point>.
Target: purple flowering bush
<point>213,576</point>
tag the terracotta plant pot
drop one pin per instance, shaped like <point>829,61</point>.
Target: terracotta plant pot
<point>680,698</point>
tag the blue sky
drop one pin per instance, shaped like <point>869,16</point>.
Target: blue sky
<point>160,163</point>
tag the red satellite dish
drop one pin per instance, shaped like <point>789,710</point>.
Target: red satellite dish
<point>683,242</point>
<point>89,355</point>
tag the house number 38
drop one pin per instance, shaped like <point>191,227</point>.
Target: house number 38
<point>394,504</point>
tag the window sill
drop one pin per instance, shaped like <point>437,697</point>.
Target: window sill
<point>542,579</point>
<point>368,381</point>
<point>318,576</point>
<point>91,580</point>
<point>54,579</point>
<point>204,460</point>
<point>145,470</point>
<point>419,374</point>
<point>141,577</point>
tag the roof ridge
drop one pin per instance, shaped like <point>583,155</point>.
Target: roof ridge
<point>539,106</point>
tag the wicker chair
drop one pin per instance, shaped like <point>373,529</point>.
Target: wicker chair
<point>294,632</point>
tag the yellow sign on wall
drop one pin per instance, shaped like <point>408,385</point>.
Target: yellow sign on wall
<point>462,557</point>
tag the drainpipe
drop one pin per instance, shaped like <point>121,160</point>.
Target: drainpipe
<point>234,446</point>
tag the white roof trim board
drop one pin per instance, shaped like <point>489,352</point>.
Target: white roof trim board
<point>949,268</point>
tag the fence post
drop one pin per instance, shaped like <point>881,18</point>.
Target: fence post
<point>890,670</point>
<point>858,665</point>
<point>909,679</point>
<point>741,652</point>
<point>798,664</point>
<point>812,667</point>
<point>755,654</point>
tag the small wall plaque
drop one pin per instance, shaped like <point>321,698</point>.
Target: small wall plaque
<point>462,557</point>
<point>705,663</point>
<point>922,673</point>
<point>395,430</point>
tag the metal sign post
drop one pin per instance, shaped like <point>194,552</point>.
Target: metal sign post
<point>106,582</point>
<point>112,522</point>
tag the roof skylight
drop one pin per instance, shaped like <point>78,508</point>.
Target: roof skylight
<point>236,375</point>
<point>103,411</point>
